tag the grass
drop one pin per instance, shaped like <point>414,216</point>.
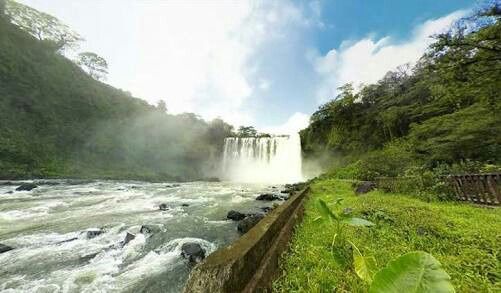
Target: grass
<point>465,238</point>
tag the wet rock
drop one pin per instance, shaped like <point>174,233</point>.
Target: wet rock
<point>266,209</point>
<point>365,187</point>
<point>5,248</point>
<point>269,197</point>
<point>149,229</point>
<point>193,252</point>
<point>246,224</point>
<point>164,207</point>
<point>88,257</point>
<point>93,233</point>
<point>185,205</point>
<point>128,238</point>
<point>26,187</point>
<point>10,192</point>
<point>287,191</point>
<point>67,240</point>
<point>235,215</point>
<point>176,185</point>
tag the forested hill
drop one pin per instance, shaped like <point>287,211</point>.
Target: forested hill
<point>58,121</point>
<point>444,113</point>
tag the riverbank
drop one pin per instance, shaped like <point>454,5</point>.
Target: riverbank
<point>463,237</point>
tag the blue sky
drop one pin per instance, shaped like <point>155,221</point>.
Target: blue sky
<point>263,63</point>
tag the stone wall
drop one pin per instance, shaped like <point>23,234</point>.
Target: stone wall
<point>250,264</point>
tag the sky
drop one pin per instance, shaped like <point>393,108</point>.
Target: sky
<point>269,64</point>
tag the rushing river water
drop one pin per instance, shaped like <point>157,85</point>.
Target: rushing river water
<point>47,225</point>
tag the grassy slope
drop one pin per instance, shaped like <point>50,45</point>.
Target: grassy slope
<point>465,238</point>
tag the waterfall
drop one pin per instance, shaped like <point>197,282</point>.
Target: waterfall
<point>275,159</point>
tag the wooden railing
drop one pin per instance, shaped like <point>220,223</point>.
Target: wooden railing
<point>478,188</point>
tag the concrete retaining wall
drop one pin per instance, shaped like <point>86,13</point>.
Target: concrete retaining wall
<point>250,264</point>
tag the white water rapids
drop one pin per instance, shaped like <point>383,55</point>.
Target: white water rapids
<point>263,159</point>
<point>46,227</point>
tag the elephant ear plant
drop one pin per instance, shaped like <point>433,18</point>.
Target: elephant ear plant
<point>340,247</point>
<point>414,272</point>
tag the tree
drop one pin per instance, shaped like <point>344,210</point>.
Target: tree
<point>42,26</point>
<point>93,64</point>
<point>247,131</point>
<point>161,106</point>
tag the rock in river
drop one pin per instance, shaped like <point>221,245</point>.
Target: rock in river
<point>92,233</point>
<point>128,238</point>
<point>235,216</point>
<point>193,252</point>
<point>4,248</point>
<point>149,229</point>
<point>164,207</point>
<point>26,187</point>
<point>269,197</point>
<point>246,224</point>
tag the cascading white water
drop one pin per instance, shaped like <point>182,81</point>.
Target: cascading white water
<point>274,159</point>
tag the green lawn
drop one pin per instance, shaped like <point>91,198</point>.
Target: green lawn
<point>465,238</point>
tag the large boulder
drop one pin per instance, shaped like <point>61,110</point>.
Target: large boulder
<point>4,248</point>
<point>365,187</point>
<point>269,197</point>
<point>246,224</point>
<point>26,187</point>
<point>193,252</point>
<point>235,215</point>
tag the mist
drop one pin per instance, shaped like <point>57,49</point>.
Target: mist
<point>155,144</point>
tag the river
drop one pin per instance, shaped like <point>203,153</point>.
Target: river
<point>53,253</point>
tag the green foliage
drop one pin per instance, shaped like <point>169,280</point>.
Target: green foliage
<point>415,272</point>
<point>57,121</point>
<point>246,131</point>
<point>365,266</point>
<point>42,26</point>
<point>461,237</point>
<point>93,64</point>
<point>445,110</point>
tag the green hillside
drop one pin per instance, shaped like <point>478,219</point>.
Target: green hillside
<point>57,121</point>
<point>441,115</point>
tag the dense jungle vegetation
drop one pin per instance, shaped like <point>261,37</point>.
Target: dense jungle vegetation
<point>441,116</point>
<point>57,120</point>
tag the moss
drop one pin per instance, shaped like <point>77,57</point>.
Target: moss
<point>465,238</point>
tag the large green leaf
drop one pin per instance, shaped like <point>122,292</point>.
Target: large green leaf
<point>357,222</point>
<point>365,266</point>
<point>325,211</point>
<point>415,272</point>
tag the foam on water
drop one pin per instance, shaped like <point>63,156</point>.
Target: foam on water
<point>47,227</point>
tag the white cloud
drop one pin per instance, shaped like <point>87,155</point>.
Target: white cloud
<point>367,60</point>
<point>294,124</point>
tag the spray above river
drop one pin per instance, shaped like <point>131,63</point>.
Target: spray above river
<point>274,159</point>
